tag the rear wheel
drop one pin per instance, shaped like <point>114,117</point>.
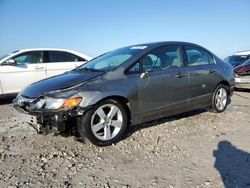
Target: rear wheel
<point>104,124</point>
<point>220,99</point>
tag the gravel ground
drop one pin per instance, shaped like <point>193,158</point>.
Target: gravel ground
<point>196,149</point>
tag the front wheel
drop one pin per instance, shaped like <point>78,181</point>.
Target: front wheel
<point>220,99</point>
<point>105,124</point>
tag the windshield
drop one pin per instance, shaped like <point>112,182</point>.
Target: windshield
<point>4,56</point>
<point>236,59</point>
<point>110,60</point>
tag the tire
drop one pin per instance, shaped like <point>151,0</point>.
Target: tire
<point>220,99</point>
<point>104,124</point>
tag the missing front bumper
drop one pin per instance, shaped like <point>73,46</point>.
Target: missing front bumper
<point>45,124</point>
<point>50,121</point>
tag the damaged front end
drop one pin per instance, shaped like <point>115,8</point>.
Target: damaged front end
<point>47,114</point>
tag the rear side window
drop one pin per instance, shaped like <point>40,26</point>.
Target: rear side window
<point>196,57</point>
<point>29,58</point>
<point>75,58</point>
<point>55,56</point>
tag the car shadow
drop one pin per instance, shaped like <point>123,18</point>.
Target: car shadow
<point>134,128</point>
<point>233,165</point>
<point>8,100</point>
<point>246,90</point>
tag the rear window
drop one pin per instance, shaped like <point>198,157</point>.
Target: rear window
<point>75,58</point>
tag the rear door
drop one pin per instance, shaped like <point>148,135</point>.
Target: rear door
<point>29,68</point>
<point>202,74</point>
<point>58,62</point>
<point>163,84</point>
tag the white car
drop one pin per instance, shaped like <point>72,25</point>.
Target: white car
<point>21,68</point>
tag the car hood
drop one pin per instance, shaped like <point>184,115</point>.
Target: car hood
<point>62,81</point>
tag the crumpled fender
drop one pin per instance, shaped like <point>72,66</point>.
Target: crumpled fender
<point>92,97</point>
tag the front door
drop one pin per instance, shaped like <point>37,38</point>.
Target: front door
<point>29,68</point>
<point>163,84</point>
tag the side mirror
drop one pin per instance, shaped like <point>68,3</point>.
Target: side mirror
<point>144,75</point>
<point>10,62</point>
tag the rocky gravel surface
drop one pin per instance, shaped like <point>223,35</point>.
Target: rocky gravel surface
<point>195,149</point>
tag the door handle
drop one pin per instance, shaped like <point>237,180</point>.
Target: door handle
<point>39,68</point>
<point>180,75</point>
<point>211,71</point>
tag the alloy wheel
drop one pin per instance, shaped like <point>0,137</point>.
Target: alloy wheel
<point>221,99</point>
<point>106,122</point>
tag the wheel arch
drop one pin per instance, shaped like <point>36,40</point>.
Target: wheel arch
<point>123,100</point>
<point>223,82</point>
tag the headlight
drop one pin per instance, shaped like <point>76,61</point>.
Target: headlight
<point>51,103</point>
<point>54,104</point>
<point>71,102</point>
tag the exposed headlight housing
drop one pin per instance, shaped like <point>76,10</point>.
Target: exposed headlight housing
<point>55,104</point>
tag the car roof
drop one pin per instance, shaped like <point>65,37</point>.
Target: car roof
<point>54,49</point>
<point>246,52</point>
<point>51,49</point>
<point>162,43</point>
<point>166,43</point>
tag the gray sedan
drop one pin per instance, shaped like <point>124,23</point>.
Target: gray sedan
<point>128,86</point>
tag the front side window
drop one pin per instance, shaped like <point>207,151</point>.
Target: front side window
<point>135,68</point>
<point>56,56</point>
<point>29,58</point>
<point>196,56</point>
<point>162,58</point>
<point>110,60</point>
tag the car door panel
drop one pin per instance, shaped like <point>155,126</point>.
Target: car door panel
<point>160,90</point>
<point>16,77</point>
<point>202,76</point>
<point>199,84</point>
<point>59,62</point>
<point>165,87</point>
<point>56,68</point>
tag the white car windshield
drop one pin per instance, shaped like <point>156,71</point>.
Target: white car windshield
<point>4,56</point>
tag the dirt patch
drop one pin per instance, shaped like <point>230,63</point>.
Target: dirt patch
<point>195,149</point>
